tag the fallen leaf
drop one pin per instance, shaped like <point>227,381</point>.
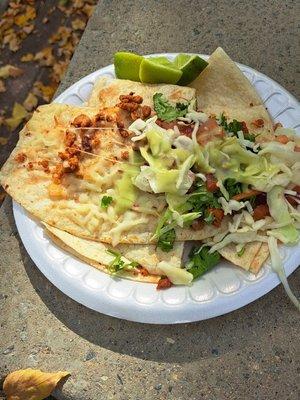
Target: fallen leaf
<point>22,19</point>
<point>28,29</point>
<point>44,91</point>
<point>31,384</point>
<point>10,70</point>
<point>19,113</point>
<point>3,140</point>
<point>45,57</point>
<point>45,20</point>
<point>2,86</point>
<point>58,70</point>
<point>30,102</point>
<point>27,57</point>
<point>78,24</point>
<point>88,9</point>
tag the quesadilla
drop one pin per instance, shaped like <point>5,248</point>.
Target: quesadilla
<point>124,182</point>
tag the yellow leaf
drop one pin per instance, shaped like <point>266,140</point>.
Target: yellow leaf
<point>78,24</point>
<point>28,29</point>
<point>30,102</point>
<point>10,70</point>
<point>18,114</point>
<point>22,19</point>
<point>31,384</point>
<point>27,57</point>
<point>44,91</point>
<point>45,56</point>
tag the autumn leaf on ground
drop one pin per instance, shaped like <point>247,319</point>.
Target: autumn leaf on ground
<point>30,102</point>
<point>27,57</point>
<point>19,113</point>
<point>78,24</point>
<point>2,86</point>
<point>22,19</point>
<point>44,91</point>
<point>10,70</point>
<point>28,29</point>
<point>45,57</point>
<point>31,384</point>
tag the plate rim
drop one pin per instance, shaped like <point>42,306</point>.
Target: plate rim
<point>259,289</point>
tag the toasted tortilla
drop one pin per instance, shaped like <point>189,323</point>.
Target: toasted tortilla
<point>97,255</point>
<point>223,88</point>
<point>107,90</point>
<point>253,258</point>
<point>74,204</point>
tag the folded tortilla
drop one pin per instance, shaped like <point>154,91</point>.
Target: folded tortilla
<point>107,90</point>
<point>97,254</point>
<point>253,258</point>
<point>223,88</point>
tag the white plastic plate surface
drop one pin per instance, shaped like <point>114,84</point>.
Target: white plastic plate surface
<point>220,291</point>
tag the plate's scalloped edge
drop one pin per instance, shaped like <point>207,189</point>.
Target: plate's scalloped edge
<point>207,298</point>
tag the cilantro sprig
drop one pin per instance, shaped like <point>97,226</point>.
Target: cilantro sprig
<point>202,261</point>
<point>106,201</point>
<point>165,111</point>
<point>166,240</point>
<point>117,264</point>
<point>234,127</point>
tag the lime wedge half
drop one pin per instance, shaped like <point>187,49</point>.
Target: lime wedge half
<point>161,60</point>
<point>191,66</point>
<point>127,65</point>
<point>155,72</point>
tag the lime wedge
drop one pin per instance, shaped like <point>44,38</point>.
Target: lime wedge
<point>155,72</point>
<point>161,60</point>
<point>127,65</point>
<point>191,66</point>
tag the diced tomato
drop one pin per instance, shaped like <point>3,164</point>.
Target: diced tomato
<point>260,212</point>
<point>218,215</point>
<point>297,188</point>
<point>143,271</point>
<point>283,139</point>
<point>211,183</point>
<point>292,200</point>
<point>163,283</point>
<point>244,127</point>
<point>246,195</point>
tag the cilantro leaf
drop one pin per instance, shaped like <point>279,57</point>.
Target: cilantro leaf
<point>166,240</point>
<point>233,187</point>
<point>250,137</point>
<point>201,198</point>
<point>118,264</point>
<point>106,201</point>
<point>202,261</point>
<point>165,111</point>
<point>208,217</point>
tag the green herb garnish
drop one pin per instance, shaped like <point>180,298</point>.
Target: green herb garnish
<point>202,261</point>
<point>166,240</point>
<point>201,199</point>
<point>106,201</point>
<point>118,264</point>
<point>241,252</point>
<point>233,187</point>
<point>165,111</point>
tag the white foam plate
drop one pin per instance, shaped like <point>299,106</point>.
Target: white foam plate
<point>220,291</point>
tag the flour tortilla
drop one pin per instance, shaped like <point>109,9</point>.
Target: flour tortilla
<point>223,88</point>
<point>97,255</point>
<point>73,206</point>
<point>253,258</point>
<point>107,90</point>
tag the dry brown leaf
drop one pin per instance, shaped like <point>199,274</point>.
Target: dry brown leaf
<point>31,384</point>
<point>44,91</point>
<point>10,70</point>
<point>3,140</point>
<point>45,20</point>
<point>30,102</point>
<point>22,19</point>
<point>19,113</point>
<point>28,29</point>
<point>58,70</point>
<point>78,24</point>
<point>27,57</point>
<point>45,57</point>
<point>2,86</point>
<point>88,9</point>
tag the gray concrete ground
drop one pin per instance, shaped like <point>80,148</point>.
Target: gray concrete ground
<point>251,353</point>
